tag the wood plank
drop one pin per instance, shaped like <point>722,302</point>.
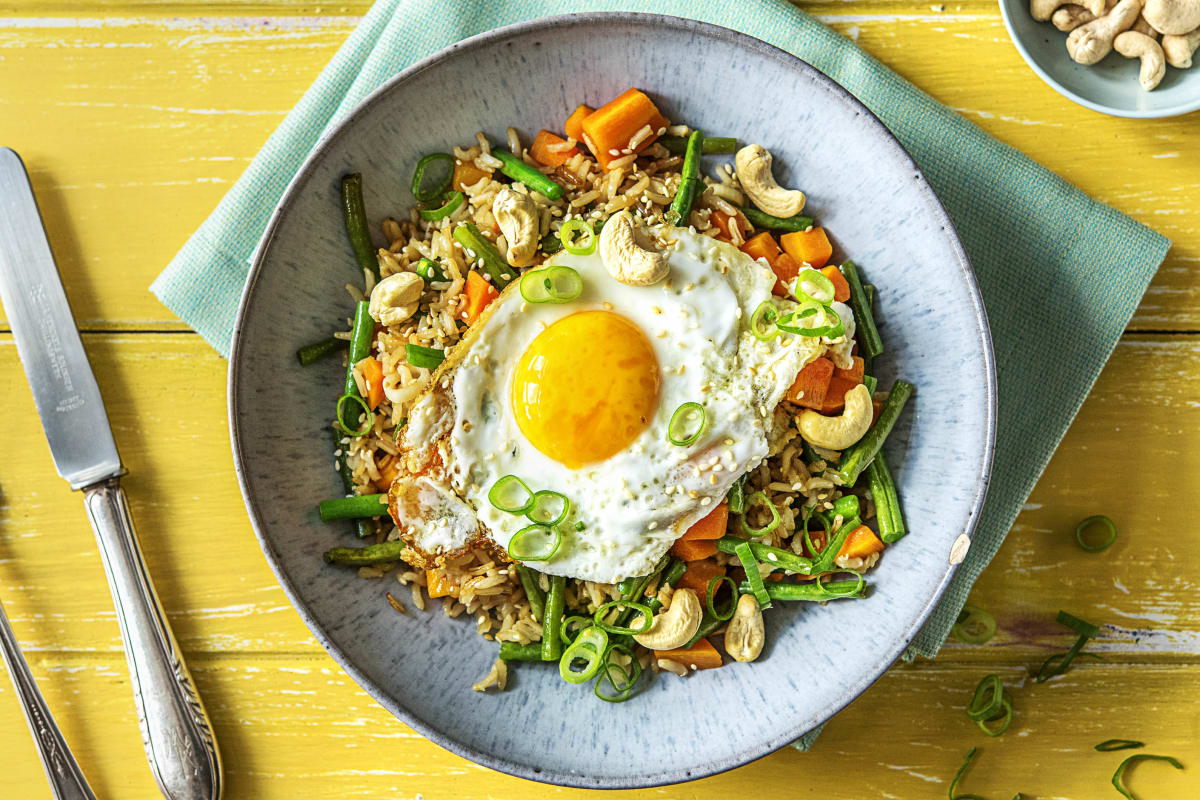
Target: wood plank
<point>125,176</point>
<point>299,727</point>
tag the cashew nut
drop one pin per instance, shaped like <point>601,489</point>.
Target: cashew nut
<point>517,217</point>
<point>679,623</point>
<point>744,638</point>
<point>396,298</point>
<point>838,433</point>
<point>1068,18</point>
<point>1089,43</point>
<point>626,260</point>
<point>1042,10</point>
<point>1179,49</point>
<point>754,172</point>
<point>1173,16</point>
<point>1132,44</point>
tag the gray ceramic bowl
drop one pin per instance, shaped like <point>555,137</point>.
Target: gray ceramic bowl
<point>861,184</point>
<point>1110,87</point>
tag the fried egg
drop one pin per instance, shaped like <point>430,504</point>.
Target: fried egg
<point>577,398</point>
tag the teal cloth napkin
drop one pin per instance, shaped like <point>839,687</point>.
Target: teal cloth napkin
<point>1032,238</point>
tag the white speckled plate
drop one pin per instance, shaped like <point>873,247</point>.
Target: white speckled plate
<point>861,185</point>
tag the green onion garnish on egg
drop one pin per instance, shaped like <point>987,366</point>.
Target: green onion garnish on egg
<point>548,508</point>
<point>762,321</point>
<point>555,284</point>
<point>687,423</point>
<point>810,285</point>
<point>511,494</point>
<point>819,321</point>
<point>534,543</point>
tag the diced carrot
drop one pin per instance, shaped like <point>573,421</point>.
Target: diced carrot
<point>841,289</point>
<point>438,584</point>
<point>811,384</point>
<point>467,174</point>
<point>725,224</point>
<point>694,549</point>
<point>774,577</point>
<point>855,373</point>
<point>860,543</point>
<point>762,245</point>
<point>835,398</point>
<point>701,655</point>
<point>541,152</point>
<point>387,474</point>
<point>610,130</point>
<point>786,269</point>
<point>574,124</point>
<point>876,408</point>
<point>372,372</point>
<point>711,526</point>
<point>810,247</point>
<point>817,537</point>
<point>479,294</point>
<point>698,574</point>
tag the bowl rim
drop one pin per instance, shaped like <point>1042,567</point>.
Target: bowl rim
<point>1177,110</point>
<point>651,778</point>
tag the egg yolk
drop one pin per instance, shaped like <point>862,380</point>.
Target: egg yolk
<point>586,387</point>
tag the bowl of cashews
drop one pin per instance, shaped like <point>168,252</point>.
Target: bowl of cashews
<point>1127,58</point>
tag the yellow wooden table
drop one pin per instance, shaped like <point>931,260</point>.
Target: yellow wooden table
<point>135,116</point>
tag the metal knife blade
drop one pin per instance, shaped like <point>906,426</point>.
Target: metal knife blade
<point>64,388</point>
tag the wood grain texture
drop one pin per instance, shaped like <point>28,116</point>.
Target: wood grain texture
<point>136,115</point>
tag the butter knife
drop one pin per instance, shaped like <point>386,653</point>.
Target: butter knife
<point>175,729</point>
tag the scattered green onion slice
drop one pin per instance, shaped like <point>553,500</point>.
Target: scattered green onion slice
<point>589,647</point>
<point>555,284</point>
<point>511,494</point>
<point>450,203</point>
<point>369,416</point>
<point>850,590</point>
<point>753,577</point>
<point>974,625</point>
<point>736,497</point>
<point>987,699</point>
<point>534,543</point>
<point>428,194</point>
<point>687,423</point>
<point>958,776</point>
<point>564,630</point>
<point>1109,745</point>
<point>644,610</point>
<point>547,507</point>
<point>430,270</point>
<point>714,585</point>
<point>1082,627</point>
<point>761,497</point>
<point>762,321</point>
<point>810,285</point>
<point>1096,547</point>
<point>577,237</point>
<point>1046,671</point>
<point>1118,776</point>
<point>628,678</point>
<point>424,357</point>
<point>1005,717</point>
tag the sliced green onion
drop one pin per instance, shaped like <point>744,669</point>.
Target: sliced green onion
<point>577,237</point>
<point>974,625</point>
<point>1005,716</point>
<point>714,585</point>
<point>312,353</point>
<point>826,322</point>
<point>565,631</point>
<point>534,543</point>
<point>1082,627</point>
<point>623,689</point>
<point>554,284</point>
<point>736,497</point>
<point>825,560</point>
<point>753,577</point>
<point>761,497</point>
<point>1047,671</point>
<point>548,508</point>
<point>686,425</point>
<point>958,776</point>
<point>762,321</point>
<point>521,172</point>
<point>1096,547</point>
<point>342,410</point>
<point>511,494</point>
<point>451,201</point>
<point>987,698</point>
<point>426,357</point>
<point>431,271</point>
<point>1109,745</point>
<point>589,648</point>
<point>1118,778</point>
<point>424,193</point>
<point>810,285</point>
<point>838,589</point>
<point>363,505</point>
<point>1086,631</point>
<point>621,605</point>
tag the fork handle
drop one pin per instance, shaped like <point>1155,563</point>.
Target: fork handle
<point>175,729</point>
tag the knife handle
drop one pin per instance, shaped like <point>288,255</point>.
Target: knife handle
<point>175,729</point>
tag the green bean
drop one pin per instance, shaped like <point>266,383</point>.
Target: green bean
<point>551,641</point>
<point>533,592</point>
<point>430,271</point>
<point>713,145</point>
<point>761,219</point>
<point>708,624</point>
<point>869,344</point>
<point>355,212</point>
<point>887,501</point>
<point>363,505</point>
<point>550,243</point>
<point>481,249</point>
<point>811,591</point>
<point>690,185</point>
<point>869,292</point>
<point>365,556</point>
<point>312,353</point>
<point>848,506</point>
<point>511,651</point>
<point>360,348</point>
<point>859,455</point>
<point>521,172</point>
<point>673,573</point>
<point>775,556</point>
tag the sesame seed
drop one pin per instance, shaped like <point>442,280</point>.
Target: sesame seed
<point>608,306</point>
<point>704,501</point>
<point>652,526</point>
<point>772,557</point>
<point>689,287</point>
